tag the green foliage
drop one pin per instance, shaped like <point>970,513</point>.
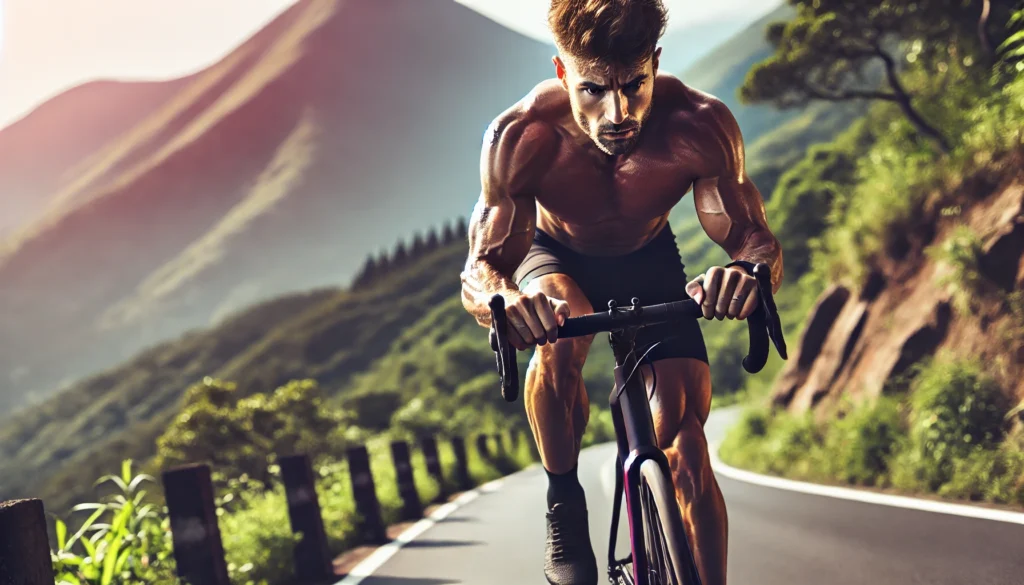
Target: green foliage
<point>960,256</point>
<point>1012,47</point>
<point>124,540</point>
<point>861,444</point>
<point>948,436</point>
<point>956,409</point>
<point>835,50</point>
<point>241,437</point>
<point>600,428</point>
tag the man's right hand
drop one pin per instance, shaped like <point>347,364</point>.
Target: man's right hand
<point>533,319</point>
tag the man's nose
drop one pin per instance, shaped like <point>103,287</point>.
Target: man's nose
<point>615,109</point>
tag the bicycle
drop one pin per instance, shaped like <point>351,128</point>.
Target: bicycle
<point>660,552</point>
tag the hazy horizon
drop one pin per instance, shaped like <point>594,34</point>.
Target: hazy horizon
<point>42,57</point>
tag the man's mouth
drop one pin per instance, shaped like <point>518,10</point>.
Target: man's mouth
<point>621,134</point>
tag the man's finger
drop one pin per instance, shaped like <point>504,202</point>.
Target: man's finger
<point>562,311</point>
<point>694,289</point>
<point>518,324</point>
<point>542,306</point>
<point>753,300</point>
<point>730,282</point>
<point>711,286</point>
<point>516,340</point>
<point>740,297</point>
<point>532,321</point>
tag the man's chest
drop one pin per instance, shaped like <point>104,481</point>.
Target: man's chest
<point>580,189</point>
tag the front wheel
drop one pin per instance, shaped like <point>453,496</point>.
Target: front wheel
<point>669,559</point>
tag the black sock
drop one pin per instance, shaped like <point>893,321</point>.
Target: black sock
<point>563,487</point>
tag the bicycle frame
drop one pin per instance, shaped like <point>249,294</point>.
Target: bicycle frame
<point>637,443</point>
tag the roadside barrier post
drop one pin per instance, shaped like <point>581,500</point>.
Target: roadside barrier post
<point>482,447</point>
<point>429,447</point>
<point>198,550</point>
<point>461,464</point>
<point>364,492</point>
<point>411,506</point>
<point>312,557</point>
<point>24,548</point>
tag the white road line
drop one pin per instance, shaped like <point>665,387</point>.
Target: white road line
<point>863,496</point>
<point>380,556</point>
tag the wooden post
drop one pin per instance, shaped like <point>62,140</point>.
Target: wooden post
<point>198,550</point>
<point>364,492</point>
<point>24,548</point>
<point>429,447</point>
<point>461,464</point>
<point>313,560</point>
<point>411,506</point>
<point>481,447</point>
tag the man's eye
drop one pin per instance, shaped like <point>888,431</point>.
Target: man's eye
<point>634,87</point>
<point>591,90</point>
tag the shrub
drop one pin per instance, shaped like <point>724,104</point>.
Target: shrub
<point>860,445</point>
<point>956,409</point>
<point>124,540</point>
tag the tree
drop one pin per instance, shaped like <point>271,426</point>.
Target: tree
<point>449,234</point>
<point>830,49</point>
<point>401,255</point>
<point>243,435</point>
<point>383,262</point>
<point>418,246</point>
<point>432,240</point>
<point>462,229</point>
<point>366,274</point>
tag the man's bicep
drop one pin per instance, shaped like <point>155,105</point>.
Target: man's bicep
<point>501,230</point>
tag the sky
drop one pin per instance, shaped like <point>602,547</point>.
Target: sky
<point>49,46</point>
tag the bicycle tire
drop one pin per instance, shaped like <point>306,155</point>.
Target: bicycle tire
<point>668,553</point>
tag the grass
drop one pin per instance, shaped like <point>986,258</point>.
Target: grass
<point>949,435</point>
<point>134,546</point>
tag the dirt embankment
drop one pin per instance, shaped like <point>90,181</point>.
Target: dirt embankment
<point>863,342</point>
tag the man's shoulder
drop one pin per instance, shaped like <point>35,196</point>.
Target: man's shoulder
<point>533,119</point>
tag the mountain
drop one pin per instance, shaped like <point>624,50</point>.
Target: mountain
<point>683,47</point>
<point>333,335</point>
<point>42,152</point>
<point>276,169</point>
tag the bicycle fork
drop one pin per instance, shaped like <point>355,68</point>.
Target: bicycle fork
<point>634,429</point>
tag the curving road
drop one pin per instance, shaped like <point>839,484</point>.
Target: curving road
<point>777,537</point>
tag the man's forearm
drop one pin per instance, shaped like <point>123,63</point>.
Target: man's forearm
<point>481,281</point>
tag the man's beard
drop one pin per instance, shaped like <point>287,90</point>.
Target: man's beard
<point>610,145</point>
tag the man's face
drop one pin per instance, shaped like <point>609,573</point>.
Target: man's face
<point>609,102</point>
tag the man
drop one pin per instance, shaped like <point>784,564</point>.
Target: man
<point>578,179</point>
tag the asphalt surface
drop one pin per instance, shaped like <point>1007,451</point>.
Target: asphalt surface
<point>777,537</point>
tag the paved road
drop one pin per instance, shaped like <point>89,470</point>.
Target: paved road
<point>777,537</point>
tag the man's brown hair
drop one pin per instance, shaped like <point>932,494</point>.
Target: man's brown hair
<point>622,32</point>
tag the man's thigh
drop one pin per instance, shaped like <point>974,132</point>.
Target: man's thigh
<point>680,384</point>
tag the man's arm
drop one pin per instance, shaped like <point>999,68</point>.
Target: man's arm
<point>501,227</point>
<point>731,211</point>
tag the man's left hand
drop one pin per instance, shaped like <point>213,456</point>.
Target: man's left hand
<point>725,293</point>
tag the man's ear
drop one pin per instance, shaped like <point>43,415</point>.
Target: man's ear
<point>560,71</point>
<point>657,56</point>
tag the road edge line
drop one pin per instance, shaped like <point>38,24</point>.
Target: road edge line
<point>868,497</point>
<point>376,560</point>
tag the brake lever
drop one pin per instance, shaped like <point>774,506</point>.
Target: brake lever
<point>504,353</point>
<point>763,275</point>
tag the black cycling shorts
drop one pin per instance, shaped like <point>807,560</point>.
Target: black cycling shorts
<point>653,274</point>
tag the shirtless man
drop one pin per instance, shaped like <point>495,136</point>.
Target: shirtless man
<point>578,179</point>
